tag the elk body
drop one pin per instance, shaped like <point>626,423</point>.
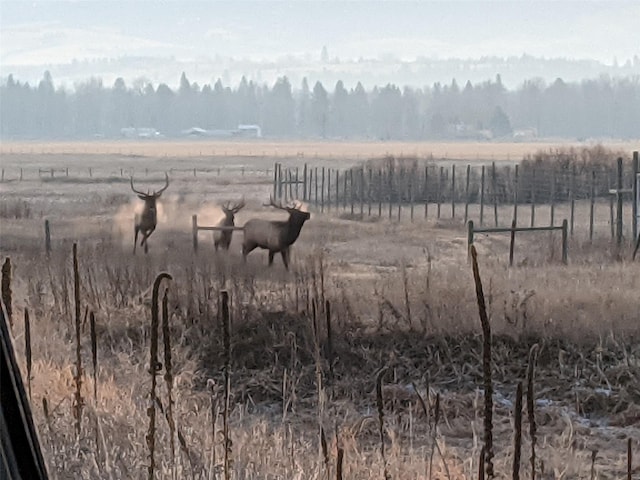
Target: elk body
<point>274,235</point>
<point>223,238</point>
<point>145,222</point>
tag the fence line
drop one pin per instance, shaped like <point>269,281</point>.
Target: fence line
<point>395,186</point>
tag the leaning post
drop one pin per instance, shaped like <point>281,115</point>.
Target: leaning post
<point>47,237</point>
<point>512,243</point>
<point>469,237</point>
<point>619,204</point>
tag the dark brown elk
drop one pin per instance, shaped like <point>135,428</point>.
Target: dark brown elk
<point>146,221</point>
<point>222,238</point>
<point>274,235</point>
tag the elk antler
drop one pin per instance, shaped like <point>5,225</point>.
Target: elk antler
<point>159,192</point>
<point>137,191</point>
<point>238,206</point>
<point>274,204</point>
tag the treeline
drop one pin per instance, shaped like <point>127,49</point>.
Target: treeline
<point>601,107</point>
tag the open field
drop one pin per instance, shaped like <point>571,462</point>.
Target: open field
<point>401,296</point>
<point>303,149</point>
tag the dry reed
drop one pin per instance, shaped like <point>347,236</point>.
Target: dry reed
<point>517,434</point>
<point>380,406</point>
<point>78,402</point>
<point>226,326</point>
<point>531,412</point>
<point>153,369</point>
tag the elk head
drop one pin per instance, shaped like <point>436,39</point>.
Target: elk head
<point>146,222</point>
<point>275,235</point>
<point>223,238</point>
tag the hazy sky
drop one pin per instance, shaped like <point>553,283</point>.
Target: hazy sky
<point>41,32</point>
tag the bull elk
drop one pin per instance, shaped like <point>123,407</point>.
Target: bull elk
<point>274,235</point>
<point>223,238</point>
<point>146,221</point>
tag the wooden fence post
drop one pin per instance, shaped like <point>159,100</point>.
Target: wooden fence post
<point>453,191</point>
<point>380,193</point>
<point>592,192</point>
<point>344,191</point>
<point>469,237</point>
<point>337,189</point>
<point>329,189</point>
<point>47,237</point>
<point>619,186</point>
<point>361,192</point>
<point>512,242</point>
<point>553,197</point>
<point>466,195</point>
<point>399,192</point>
<point>439,191</point>
<point>310,190</point>
<point>322,191</point>
<point>351,188</point>
<point>572,186</point>
<point>425,191</point>
<point>390,192</point>
<point>304,185</point>
<point>634,188</point>
<point>315,176</point>
<point>275,181</point>
<point>533,196</point>
<point>515,196</point>
<point>493,188</point>
<point>482,174</point>
<point>564,242</point>
<point>369,189</point>
<point>194,232</point>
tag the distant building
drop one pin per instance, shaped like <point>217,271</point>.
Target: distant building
<point>252,131</point>
<point>142,132</point>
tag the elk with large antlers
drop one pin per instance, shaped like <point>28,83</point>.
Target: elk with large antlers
<point>223,238</point>
<point>274,235</point>
<point>146,221</point>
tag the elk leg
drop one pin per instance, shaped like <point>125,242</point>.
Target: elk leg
<point>146,235</point>
<point>285,258</point>
<point>246,249</point>
<point>271,254</point>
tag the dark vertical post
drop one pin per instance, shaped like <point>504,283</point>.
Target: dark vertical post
<point>469,237</point>
<point>310,190</point>
<point>411,177</point>
<point>47,237</point>
<point>572,186</point>
<point>322,191</point>
<point>337,189</point>
<point>315,176</point>
<point>361,192</point>
<point>619,203</point>
<point>612,220</point>
<point>592,193</point>
<point>453,191</point>
<point>351,188</point>
<point>564,241</point>
<point>369,189</point>
<point>399,192</point>
<point>439,190</point>
<point>533,196</point>
<point>344,191</point>
<point>425,191</point>
<point>290,178</point>
<point>482,175</point>
<point>634,187</point>
<point>553,197</point>
<point>279,167</point>
<point>515,196</point>
<point>297,180</point>
<point>495,193</point>
<point>380,193</point>
<point>328,189</point>
<point>304,185</point>
<point>194,232</point>
<point>390,190</point>
<point>512,242</point>
<point>466,195</point>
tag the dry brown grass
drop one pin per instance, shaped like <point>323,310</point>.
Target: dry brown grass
<point>422,324</point>
<point>302,149</point>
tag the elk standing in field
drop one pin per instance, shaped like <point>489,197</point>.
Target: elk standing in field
<point>223,238</point>
<point>145,222</point>
<point>274,235</point>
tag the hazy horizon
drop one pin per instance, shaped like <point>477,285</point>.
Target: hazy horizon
<point>41,34</point>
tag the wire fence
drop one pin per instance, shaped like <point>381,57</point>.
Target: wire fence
<point>530,194</point>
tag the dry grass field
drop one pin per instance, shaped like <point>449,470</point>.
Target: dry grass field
<point>307,346</point>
